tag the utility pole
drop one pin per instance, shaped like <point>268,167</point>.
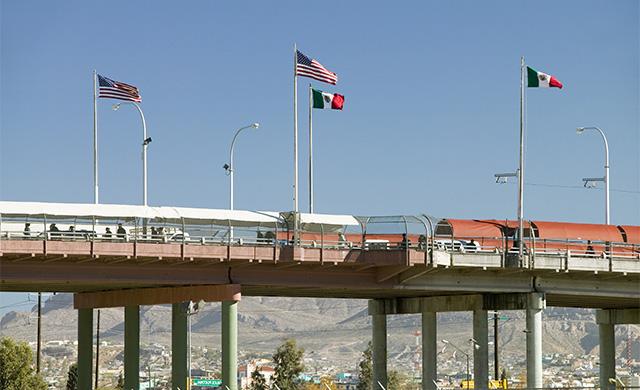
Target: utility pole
<point>39,332</point>
<point>97,348</point>
<point>496,368</point>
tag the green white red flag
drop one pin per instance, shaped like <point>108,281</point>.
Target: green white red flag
<point>537,79</point>
<point>327,101</point>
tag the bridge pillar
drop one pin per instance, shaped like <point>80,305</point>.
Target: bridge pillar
<point>132,347</point>
<point>429,350</point>
<point>379,347</point>
<point>606,333</point>
<point>179,350</point>
<point>536,303</point>
<point>480,349</point>
<point>607,320</point>
<point>85,348</point>
<point>230,344</point>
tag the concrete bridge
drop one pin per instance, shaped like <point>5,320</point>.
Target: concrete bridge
<point>399,272</point>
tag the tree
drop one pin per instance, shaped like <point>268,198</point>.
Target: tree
<point>258,382</point>
<point>120,383</point>
<point>398,380</point>
<point>16,367</point>
<point>365,369</point>
<point>288,360</point>
<point>72,377</point>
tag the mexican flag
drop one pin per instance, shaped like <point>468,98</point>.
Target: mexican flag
<point>537,79</point>
<point>327,101</point>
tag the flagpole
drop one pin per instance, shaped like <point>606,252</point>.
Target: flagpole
<point>295,141</point>
<point>95,138</point>
<point>310,149</point>
<point>521,167</point>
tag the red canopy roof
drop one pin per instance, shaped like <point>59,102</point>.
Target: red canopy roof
<point>633,233</point>
<point>473,228</point>
<point>577,231</point>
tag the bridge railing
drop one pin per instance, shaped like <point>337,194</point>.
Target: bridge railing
<point>366,233</point>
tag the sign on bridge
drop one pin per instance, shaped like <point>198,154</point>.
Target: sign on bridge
<point>206,382</point>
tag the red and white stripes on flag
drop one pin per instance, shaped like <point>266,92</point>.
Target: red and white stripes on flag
<point>308,67</point>
<point>117,90</point>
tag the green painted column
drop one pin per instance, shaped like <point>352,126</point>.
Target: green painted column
<point>379,349</point>
<point>179,348</point>
<point>85,348</point>
<point>230,344</point>
<point>429,350</point>
<point>132,347</point>
<point>607,355</point>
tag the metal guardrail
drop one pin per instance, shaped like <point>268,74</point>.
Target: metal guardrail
<point>376,233</point>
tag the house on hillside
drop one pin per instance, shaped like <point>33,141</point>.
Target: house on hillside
<point>263,366</point>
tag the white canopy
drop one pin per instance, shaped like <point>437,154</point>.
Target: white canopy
<point>329,219</point>
<point>175,214</point>
<point>322,222</point>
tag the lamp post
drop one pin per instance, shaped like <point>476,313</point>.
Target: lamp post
<point>192,308</point>
<point>145,142</point>
<point>605,179</point>
<point>229,167</point>
<point>447,342</point>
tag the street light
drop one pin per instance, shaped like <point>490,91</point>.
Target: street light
<point>502,178</point>
<point>465,354</point>
<point>145,143</point>
<point>229,167</point>
<point>589,181</point>
<point>192,308</point>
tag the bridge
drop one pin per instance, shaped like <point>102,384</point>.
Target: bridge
<point>127,256</point>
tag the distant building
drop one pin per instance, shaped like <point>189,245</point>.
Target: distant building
<point>262,365</point>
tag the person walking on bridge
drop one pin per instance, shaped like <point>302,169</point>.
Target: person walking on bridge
<point>121,232</point>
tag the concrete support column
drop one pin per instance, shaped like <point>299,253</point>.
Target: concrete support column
<point>534,348</point>
<point>85,348</point>
<point>132,347</point>
<point>179,350</point>
<point>230,344</point>
<point>429,350</point>
<point>480,349</point>
<point>379,349</point>
<point>607,354</point>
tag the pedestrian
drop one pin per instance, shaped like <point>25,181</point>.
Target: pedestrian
<point>590,250</point>
<point>405,241</point>
<point>422,242</point>
<point>121,232</point>
<point>107,233</point>
<point>54,231</point>
<point>27,229</point>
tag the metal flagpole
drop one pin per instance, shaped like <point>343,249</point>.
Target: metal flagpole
<point>310,149</point>
<point>521,168</point>
<point>95,138</point>
<point>295,141</point>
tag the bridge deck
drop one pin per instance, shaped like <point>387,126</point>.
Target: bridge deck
<point>73,266</point>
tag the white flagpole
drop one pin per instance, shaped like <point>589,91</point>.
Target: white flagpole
<point>295,140</point>
<point>521,168</point>
<point>310,149</point>
<point>95,138</point>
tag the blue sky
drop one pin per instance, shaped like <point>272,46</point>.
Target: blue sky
<point>431,113</point>
<point>431,104</point>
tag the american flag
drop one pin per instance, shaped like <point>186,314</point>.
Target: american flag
<point>313,69</point>
<point>117,90</point>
